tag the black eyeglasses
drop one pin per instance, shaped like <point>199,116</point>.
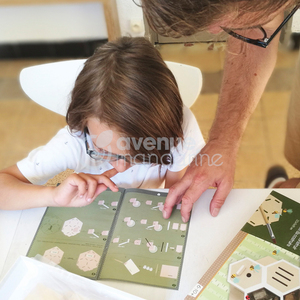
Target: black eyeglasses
<point>264,41</point>
<point>111,157</point>
<point>103,155</point>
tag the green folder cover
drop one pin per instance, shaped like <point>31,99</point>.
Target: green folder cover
<point>121,235</point>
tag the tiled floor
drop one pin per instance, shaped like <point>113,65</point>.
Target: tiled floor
<point>24,125</point>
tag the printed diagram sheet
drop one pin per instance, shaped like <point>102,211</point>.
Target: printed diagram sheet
<point>146,248</point>
<point>120,236</point>
<point>75,238</point>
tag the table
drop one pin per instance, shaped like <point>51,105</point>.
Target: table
<point>207,238</point>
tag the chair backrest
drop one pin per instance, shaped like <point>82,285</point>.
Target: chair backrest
<point>50,85</point>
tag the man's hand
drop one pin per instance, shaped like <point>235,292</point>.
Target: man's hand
<point>213,167</point>
<point>81,189</point>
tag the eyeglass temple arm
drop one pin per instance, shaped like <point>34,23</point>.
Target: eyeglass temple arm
<point>283,23</point>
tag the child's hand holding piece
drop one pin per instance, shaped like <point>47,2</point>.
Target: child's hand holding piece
<point>81,189</point>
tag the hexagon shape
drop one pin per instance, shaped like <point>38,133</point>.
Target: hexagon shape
<point>272,208</point>
<point>246,275</point>
<point>295,295</point>
<point>88,261</point>
<point>72,227</point>
<point>54,254</point>
<point>282,277</point>
<point>262,294</point>
<point>279,280</point>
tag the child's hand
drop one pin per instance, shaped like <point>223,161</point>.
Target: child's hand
<point>81,189</point>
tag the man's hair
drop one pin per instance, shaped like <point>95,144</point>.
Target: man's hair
<point>127,86</point>
<point>177,18</point>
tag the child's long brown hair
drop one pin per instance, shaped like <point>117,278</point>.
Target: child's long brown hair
<point>127,86</point>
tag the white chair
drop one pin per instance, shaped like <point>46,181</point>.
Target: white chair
<point>50,85</point>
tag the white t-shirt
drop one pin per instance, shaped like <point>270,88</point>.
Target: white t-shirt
<point>68,151</point>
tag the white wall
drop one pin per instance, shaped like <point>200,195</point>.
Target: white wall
<point>62,22</point>
<point>129,11</point>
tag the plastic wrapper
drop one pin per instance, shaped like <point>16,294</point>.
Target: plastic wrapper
<point>30,279</point>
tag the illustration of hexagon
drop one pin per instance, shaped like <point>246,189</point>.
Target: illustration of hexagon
<point>54,254</point>
<point>272,208</point>
<point>72,227</point>
<point>246,275</point>
<point>88,261</point>
<point>262,294</point>
<point>295,295</point>
<point>279,280</point>
<point>283,277</point>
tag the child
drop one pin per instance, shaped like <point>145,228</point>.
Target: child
<point>127,127</point>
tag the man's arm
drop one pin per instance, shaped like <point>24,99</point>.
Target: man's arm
<point>247,70</point>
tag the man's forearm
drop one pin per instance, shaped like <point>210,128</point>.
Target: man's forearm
<point>247,70</point>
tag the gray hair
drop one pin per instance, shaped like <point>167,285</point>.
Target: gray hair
<point>176,18</point>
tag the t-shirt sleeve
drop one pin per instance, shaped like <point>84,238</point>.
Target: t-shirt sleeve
<point>59,154</point>
<point>191,145</point>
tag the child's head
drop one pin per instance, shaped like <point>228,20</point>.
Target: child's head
<point>127,87</point>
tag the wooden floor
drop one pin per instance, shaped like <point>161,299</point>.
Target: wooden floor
<point>24,125</point>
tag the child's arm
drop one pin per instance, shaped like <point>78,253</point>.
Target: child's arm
<point>16,192</point>
<point>173,177</point>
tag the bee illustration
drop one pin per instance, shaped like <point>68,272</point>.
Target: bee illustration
<point>235,279</point>
<point>275,252</point>
<point>256,268</point>
<point>277,214</point>
<point>289,211</point>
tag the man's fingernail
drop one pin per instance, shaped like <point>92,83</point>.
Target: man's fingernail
<point>215,212</point>
<point>183,220</point>
<point>89,199</point>
<point>164,214</point>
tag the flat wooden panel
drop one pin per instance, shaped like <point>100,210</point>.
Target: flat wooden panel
<point>112,19</point>
<point>110,11</point>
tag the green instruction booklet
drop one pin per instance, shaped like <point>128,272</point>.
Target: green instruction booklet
<point>121,235</point>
